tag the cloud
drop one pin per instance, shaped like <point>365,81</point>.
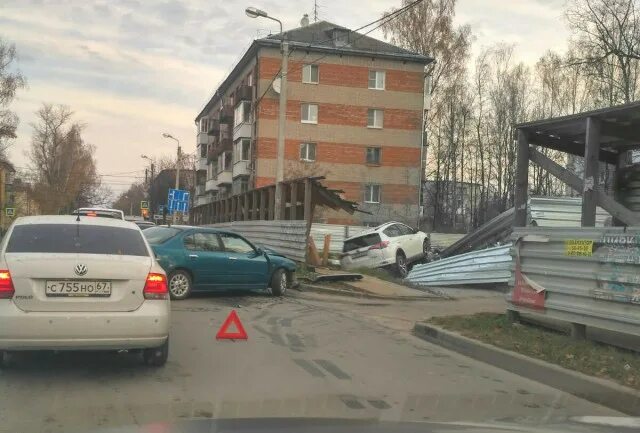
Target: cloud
<point>134,69</point>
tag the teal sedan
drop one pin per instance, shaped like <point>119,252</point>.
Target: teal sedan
<point>199,259</point>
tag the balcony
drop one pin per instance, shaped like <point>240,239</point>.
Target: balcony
<point>224,178</point>
<point>226,115</point>
<point>202,164</point>
<point>203,199</point>
<point>241,168</point>
<point>244,93</point>
<point>243,130</point>
<point>214,127</point>
<point>211,185</point>
<point>203,138</point>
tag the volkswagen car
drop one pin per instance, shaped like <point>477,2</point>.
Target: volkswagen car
<point>81,283</point>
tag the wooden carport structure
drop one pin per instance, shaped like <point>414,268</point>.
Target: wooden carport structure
<point>606,135</point>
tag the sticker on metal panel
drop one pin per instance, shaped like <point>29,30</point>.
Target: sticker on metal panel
<point>578,248</point>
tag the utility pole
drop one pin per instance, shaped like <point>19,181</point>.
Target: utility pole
<point>151,191</point>
<point>253,12</point>
<point>315,11</point>
<point>166,135</point>
<point>282,117</point>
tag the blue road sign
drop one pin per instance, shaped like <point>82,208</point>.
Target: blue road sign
<point>178,201</point>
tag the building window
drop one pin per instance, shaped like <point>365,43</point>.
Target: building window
<point>310,74</point>
<point>242,150</point>
<point>375,118</point>
<point>228,160</point>
<point>203,150</point>
<point>242,113</point>
<point>376,80</point>
<point>204,124</point>
<point>309,113</point>
<point>250,79</point>
<point>308,152</point>
<point>372,193</point>
<point>373,155</point>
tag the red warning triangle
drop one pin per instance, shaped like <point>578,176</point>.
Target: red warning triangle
<point>232,319</point>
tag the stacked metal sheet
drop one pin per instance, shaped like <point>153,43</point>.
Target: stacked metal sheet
<point>488,266</point>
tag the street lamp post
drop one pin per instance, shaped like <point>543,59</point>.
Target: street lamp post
<point>171,137</point>
<point>151,208</point>
<point>257,13</point>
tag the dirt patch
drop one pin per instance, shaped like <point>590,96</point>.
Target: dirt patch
<point>594,359</point>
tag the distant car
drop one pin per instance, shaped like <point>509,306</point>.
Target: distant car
<point>99,212</point>
<point>390,245</point>
<point>199,259</point>
<point>144,224</point>
<point>91,284</point>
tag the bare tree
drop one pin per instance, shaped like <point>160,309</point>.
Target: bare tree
<point>129,201</point>
<point>11,80</point>
<point>606,36</point>
<point>64,168</point>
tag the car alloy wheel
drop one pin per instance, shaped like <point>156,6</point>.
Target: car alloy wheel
<point>179,285</point>
<point>401,265</point>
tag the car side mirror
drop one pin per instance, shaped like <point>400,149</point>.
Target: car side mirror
<point>259,251</point>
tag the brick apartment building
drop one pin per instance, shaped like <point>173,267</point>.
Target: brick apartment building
<point>354,115</point>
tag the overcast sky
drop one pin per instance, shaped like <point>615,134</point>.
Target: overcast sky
<point>132,69</point>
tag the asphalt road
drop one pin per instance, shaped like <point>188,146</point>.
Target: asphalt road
<point>307,355</point>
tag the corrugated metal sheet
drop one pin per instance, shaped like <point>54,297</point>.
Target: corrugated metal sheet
<point>493,231</point>
<point>601,288</point>
<point>560,212</point>
<point>338,234</point>
<point>284,237</point>
<point>492,265</point>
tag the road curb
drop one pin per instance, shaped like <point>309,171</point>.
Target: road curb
<point>596,390</point>
<point>361,295</point>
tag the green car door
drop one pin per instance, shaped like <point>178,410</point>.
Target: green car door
<point>247,268</point>
<point>207,260</point>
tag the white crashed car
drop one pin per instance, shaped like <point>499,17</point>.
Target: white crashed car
<point>391,245</point>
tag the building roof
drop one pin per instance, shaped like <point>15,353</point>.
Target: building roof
<point>620,130</point>
<point>319,37</point>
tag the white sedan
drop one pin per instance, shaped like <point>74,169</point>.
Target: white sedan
<point>392,245</point>
<point>81,283</point>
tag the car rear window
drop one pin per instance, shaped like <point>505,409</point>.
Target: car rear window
<point>362,241</point>
<point>159,235</point>
<point>76,238</point>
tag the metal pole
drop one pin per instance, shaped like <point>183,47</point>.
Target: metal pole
<point>175,213</point>
<point>282,117</point>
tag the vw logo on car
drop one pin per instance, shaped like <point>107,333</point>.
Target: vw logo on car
<point>80,269</point>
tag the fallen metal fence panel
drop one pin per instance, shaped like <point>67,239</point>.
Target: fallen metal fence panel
<point>491,265</point>
<point>585,276</point>
<point>560,212</point>
<point>284,237</point>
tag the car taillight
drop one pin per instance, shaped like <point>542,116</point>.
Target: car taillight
<point>379,245</point>
<point>6,285</point>
<point>156,287</point>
